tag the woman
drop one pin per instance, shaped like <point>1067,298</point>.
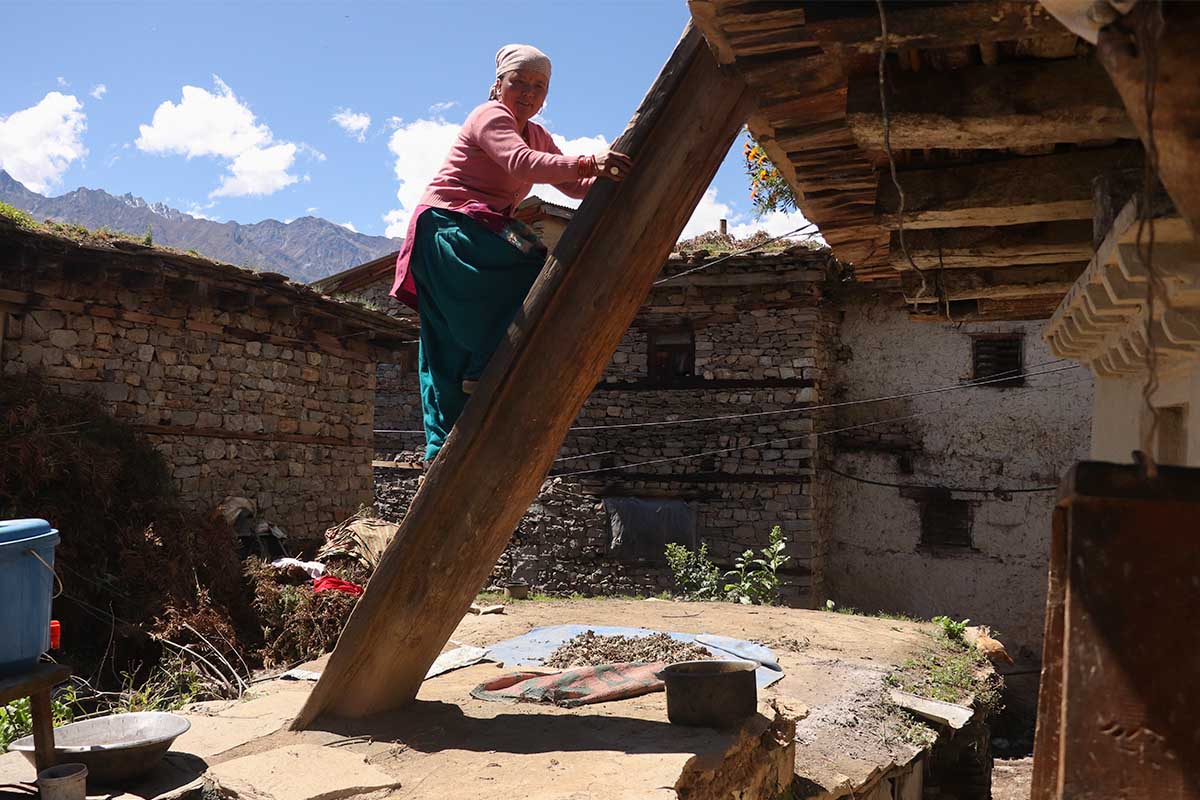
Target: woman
<point>465,264</point>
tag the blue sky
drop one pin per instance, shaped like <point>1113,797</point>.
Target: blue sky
<point>255,110</point>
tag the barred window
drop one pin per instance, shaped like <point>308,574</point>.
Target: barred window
<point>998,356</point>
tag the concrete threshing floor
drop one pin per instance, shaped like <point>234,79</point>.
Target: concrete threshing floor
<point>449,744</point>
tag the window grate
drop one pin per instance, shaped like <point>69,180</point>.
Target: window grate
<point>997,357</point>
<point>672,355</point>
<point>945,523</point>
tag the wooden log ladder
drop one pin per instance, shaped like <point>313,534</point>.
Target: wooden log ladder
<point>498,454</point>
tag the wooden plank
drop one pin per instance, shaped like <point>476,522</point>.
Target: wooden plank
<point>948,25</point>
<point>43,729</point>
<point>1009,192</point>
<point>1009,105</point>
<point>1049,703</point>
<point>498,454</point>
<point>1004,283</point>
<point>1035,243</point>
<point>1128,725</point>
<point>35,679</point>
<point>1176,94</point>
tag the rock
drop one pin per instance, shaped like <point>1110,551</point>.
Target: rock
<point>300,772</point>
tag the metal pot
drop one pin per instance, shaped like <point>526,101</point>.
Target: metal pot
<point>712,694</point>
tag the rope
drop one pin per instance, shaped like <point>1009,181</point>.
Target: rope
<point>998,378</point>
<point>57,579</point>
<point>742,447</point>
<point>965,489</point>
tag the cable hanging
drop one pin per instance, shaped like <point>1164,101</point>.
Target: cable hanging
<point>963,489</point>
<point>999,377</point>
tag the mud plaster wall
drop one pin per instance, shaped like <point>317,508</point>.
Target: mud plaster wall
<point>758,348</point>
<point>977,437</point>
<point>287,427</point>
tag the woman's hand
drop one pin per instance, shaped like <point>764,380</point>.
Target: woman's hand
<point>613,165</point>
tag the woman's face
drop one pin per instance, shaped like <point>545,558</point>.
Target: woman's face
<point>523,92</point>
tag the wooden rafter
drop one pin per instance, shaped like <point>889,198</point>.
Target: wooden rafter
<point>1006,106</point>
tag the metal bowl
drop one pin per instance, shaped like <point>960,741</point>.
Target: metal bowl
<point>712,694</point>
<point>114,748</point>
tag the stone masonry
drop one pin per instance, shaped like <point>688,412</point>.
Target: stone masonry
<point>249,386</point>
<point>762,335</point>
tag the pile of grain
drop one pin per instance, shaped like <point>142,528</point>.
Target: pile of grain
<point>589,649</point>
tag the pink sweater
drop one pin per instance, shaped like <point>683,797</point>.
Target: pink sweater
<point>490,164</point>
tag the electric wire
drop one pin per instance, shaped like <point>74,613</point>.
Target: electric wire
<point>998,378</point>
<point>750,446</point>
<point>963,489</point>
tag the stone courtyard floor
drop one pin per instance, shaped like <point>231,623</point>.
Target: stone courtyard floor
<point>449,744</point>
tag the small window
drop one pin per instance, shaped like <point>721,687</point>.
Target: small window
<point>1172,435</point>
<point>998,357</point>
<point>640,528</point>
<point>672,355</point>
<point>945,523</point>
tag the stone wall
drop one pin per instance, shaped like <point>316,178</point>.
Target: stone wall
<point>244,402</point>
<point>979,437</point>
<point>762,344</point>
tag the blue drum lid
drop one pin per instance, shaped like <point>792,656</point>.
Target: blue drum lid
<point>12,530</point>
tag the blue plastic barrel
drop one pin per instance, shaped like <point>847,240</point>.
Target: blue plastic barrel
<point>26,589</point>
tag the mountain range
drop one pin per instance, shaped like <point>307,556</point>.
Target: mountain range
<point>305,249</point>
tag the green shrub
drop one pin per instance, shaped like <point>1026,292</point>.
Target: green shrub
<point>16,719</point>
<point>954,631</point>
<point>755,581</point>
<point>696,578</point>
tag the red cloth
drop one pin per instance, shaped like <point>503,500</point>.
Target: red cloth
<point>489,170</point>
<point>328,583</point>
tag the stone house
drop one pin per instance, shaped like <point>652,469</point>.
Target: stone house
<point>780,336</point>
<point>250,385</point>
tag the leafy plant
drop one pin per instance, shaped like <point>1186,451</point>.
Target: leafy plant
<point>148,239</point>
<point>769,191</point>
<point>696,577</point>
<point>954,631</point>
<point>15,215</point>
<point>16,719</point>
<point>755,581</point>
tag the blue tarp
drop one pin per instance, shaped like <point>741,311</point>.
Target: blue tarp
<point>532,648</point>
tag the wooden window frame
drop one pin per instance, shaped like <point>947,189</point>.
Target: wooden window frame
<point>985,338</point>
<point>688,350</point>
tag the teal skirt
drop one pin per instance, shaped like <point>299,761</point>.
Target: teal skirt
<point>470,285</point>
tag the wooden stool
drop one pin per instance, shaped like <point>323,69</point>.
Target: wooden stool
<point>36,683</point>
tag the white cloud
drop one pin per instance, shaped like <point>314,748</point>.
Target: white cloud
<point>707,216</point>
<point>441,108</point>
<point>353,123</point>
<point>218,124</point>
<point>39,143</point>
<point>349,226</point>
<point>62,82</point>
<point>311,210</point>
<point>259,170</point>
<point>420,147</point>
<point>98,91</point>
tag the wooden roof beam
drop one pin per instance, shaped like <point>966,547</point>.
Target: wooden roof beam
<point>954,248</point>
<point>916,26</point>
<point>1176,94</point>
<point>982,108</point>
<point>1010,192</point>
<point>1004,283</point>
